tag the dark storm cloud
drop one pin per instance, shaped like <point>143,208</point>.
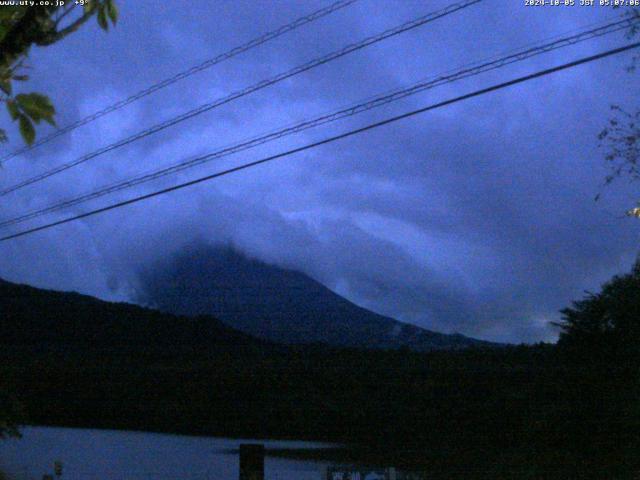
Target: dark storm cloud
<point>475,218</point>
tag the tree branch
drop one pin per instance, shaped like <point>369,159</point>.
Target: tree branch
<point>60,34</point>
<point>64,14</point>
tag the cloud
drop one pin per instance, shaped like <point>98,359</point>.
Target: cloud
<point>475,218</point>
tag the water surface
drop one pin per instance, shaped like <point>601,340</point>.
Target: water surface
<point>118,455</point>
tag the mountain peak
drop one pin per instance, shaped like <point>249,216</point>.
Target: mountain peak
<point>276,304</point>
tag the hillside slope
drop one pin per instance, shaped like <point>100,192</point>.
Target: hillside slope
<point>32,316</point>
<point>279,305</point>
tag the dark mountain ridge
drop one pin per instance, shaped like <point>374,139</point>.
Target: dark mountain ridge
<point>233,300</point>
<point>33,316</point>
<point>277,304</point>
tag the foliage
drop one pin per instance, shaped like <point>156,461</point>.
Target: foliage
<point>515,412</point>
<point>621,137</point>
<point>608,320</point>
<point>23,26</point>
<point>600,346</point>
<point>632,32</point>
<point>11,415</point>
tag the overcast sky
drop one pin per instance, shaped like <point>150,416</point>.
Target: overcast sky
<point>476,218</point>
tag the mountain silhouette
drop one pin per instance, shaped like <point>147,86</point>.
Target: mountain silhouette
<point>276,304</point>
<point>44,318</point>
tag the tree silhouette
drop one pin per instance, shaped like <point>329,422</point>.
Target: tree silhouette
<point>23,26</point>
<point>608,321</point>
<point>621,137</point>
<point>11,415</point>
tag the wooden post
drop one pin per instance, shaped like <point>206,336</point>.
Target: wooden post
<point>323,471</point>
<point>57,468</point>
<point>251,461</point>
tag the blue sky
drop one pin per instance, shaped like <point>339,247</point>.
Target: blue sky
<point>476,218</point>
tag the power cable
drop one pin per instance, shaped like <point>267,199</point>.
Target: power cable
<point>246,91</point>
<point>369,104</point>
<point>262,39</point>
<point>325,141</point>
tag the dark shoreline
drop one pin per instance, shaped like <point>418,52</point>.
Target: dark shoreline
<point>490,412</point>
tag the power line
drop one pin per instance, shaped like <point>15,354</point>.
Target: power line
<point>299,22</point>
<point>246,91</point>
<point>374,102</point>
<point>332,139</point>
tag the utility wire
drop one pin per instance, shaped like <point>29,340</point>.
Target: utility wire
<point>373,102</point>
<point>332,139</point>
<point>299,22</point>
<point>246,91</point>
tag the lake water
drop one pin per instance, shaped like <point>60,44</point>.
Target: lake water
<point>118,455</point>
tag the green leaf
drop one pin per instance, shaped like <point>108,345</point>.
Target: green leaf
<point>5,85</point>
<point>9,16</point>
<point>14,111</point>
<point>36,106</point>
<point>102,18</point>
<point>26,129</point>
<point>112,11</point>
<point>4,29</point>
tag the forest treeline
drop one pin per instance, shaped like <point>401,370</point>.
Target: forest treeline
<point>570,410</point>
